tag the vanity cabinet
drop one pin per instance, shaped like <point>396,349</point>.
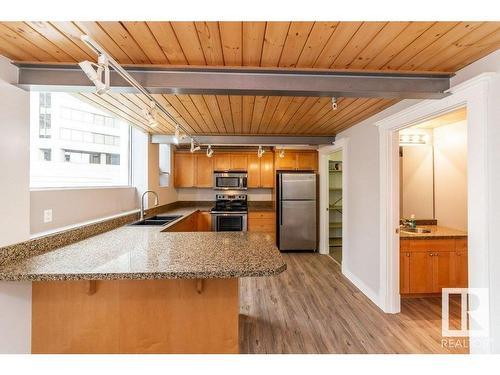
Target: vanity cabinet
<point>429,265</point>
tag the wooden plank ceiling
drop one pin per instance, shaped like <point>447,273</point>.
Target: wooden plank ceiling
<point>402,46</point>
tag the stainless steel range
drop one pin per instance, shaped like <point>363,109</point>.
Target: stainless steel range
<point>230,213</point>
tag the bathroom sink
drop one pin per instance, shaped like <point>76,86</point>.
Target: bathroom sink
<point>157,220</point>
<point>415,230</point>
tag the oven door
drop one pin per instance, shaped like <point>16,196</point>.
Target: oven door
<point>229,222</point>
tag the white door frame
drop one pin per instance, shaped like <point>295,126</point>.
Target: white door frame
<point>474,95</point>
<point>341,144</point>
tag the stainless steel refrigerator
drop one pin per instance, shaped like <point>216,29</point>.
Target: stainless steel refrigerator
<point>296,214</point>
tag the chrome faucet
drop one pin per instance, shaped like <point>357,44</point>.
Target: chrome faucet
<point>142,201</point>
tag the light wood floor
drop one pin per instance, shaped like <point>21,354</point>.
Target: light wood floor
<point>312,308</point>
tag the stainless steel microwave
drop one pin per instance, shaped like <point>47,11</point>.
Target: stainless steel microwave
<point>235,180</point>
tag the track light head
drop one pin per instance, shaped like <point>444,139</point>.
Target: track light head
<point>334,103</point>
<point>210,152</point>
<point>151,115</point>
<point>95,75</point>
<point>194,148</point>
<point>260,152</point>
<point>177,136</point>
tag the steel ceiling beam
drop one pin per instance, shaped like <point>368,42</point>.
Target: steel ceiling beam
<point>247,140</point>
<point>238,81</point>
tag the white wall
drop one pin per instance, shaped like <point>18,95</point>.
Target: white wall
<point>75,206</point>
<point>450,166</point>
<point>364,199</point>
<point>145,153</point>
<point>15,298</point>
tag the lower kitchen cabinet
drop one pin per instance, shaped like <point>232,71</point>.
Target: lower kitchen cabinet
<point>428,266</point>
<point>204,223</point>
<point>262,221</point>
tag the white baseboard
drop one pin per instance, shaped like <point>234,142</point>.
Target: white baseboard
<point>373,296</point>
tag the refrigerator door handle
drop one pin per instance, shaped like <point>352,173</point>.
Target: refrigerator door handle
<point>280,202</point>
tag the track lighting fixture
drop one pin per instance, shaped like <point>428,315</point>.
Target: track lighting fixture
<point>194,148</point>
<point>95,75</point>
<point>150,114</point>
<point>334,103</point>
<point>282,153</point>
<point>210,152</point>
<point>260,152</point>
<point>177,136</point>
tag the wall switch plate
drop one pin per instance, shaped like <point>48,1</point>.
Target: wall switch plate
<point>47,216</point>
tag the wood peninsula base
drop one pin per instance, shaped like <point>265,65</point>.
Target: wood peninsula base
<point>135,316</point>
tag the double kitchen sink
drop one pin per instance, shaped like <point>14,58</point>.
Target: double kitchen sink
<point>157,220</point>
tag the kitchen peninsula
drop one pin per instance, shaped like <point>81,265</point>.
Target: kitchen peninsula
<point>140,289</point>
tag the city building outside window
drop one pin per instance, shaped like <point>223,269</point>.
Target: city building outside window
<point>44,115</point>
<point>76,144</point>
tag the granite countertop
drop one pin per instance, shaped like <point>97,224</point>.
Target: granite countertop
<point>437,232</point>
<point>143,252</point>
<point>261,206</point>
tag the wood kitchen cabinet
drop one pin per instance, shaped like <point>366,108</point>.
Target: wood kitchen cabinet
<point>429,265</point>
<point>307,161</point>
<point>297,160</point>
<point>262,221</point>
<point>238,162</point>
<point>184,174</point>
<point>196,169</point>
<point>260,171</point>
<point>204,221</point>
<point>254,168</point>
<point>267,175</point>
<point>204,170</point>
<point>222,161</point>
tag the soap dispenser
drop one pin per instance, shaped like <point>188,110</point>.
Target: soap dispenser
<point>413,222</point>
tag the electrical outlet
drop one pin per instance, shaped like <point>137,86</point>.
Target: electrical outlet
<point>47,216</point>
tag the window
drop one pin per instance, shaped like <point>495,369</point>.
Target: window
<point>44,115</point>
<point>113,159</point>
<point>95,158</point>
<point>45,154</point>
<point>75,144</point>
<point>164,161</point>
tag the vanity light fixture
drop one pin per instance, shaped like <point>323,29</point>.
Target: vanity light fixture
<point>413,139</point>
<point>96,74</point>
<point>194,148</point>
<point>260,152</point>
<point>210,152</point>
<point>334,103</point>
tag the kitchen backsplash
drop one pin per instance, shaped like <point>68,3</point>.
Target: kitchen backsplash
<point>197,194</point>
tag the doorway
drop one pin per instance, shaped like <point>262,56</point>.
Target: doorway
<point>333,166</point>
<point>335,206</point>
<point>433,206</point>
<point>474,95</point>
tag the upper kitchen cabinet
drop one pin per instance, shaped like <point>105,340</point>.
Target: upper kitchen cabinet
<point>204,169</point>
<point>260,171</point>
<point>184,168</point>
<point>267,170</point>
<point>297,160</point>
<point>222,162</point>
<point>253,169</point>
<point>307,161</point>
<point>239,162</point>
